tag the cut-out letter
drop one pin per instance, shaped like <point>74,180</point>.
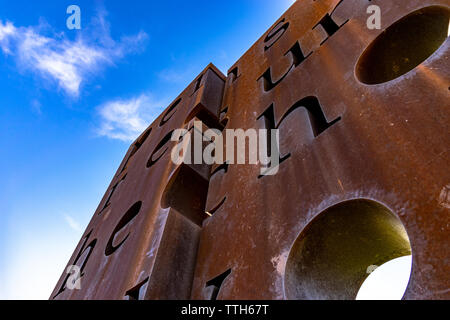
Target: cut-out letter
<point>126,219</point>
<point>216,283</point>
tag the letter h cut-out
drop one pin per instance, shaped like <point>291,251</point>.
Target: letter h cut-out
<point>317,120</point>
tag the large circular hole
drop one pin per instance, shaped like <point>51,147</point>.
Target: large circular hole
<point>337,251</point>
<point>404,45</point>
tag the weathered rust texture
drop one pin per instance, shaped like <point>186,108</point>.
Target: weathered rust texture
<point>129,249</point>
<point>340,140</point>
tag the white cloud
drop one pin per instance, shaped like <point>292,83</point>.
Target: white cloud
<point>68,62</point>
<point>126,119</point>
<point>73,224</point>
<point>7,30</point>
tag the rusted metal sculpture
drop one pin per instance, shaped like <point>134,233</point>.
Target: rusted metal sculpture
<point>363,118</point>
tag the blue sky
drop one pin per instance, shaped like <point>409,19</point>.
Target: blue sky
<point>72,100</point>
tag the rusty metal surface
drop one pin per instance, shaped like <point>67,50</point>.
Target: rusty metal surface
<point>341,139</point>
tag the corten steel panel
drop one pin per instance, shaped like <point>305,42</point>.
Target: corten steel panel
<point>389,143</point>
<point>126,244</point>
<point>340,140</point>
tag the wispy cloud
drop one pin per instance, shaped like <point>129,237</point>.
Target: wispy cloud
<point>73,224</point>
<point>36,106</point>
<point>7,30</point>
<point>125,119</point>
<point>68,62</point>
<point>177,76</point>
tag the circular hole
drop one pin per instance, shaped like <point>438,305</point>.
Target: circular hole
<point>388,281</point>
<point>335,253</point>
<point>404,45</point>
